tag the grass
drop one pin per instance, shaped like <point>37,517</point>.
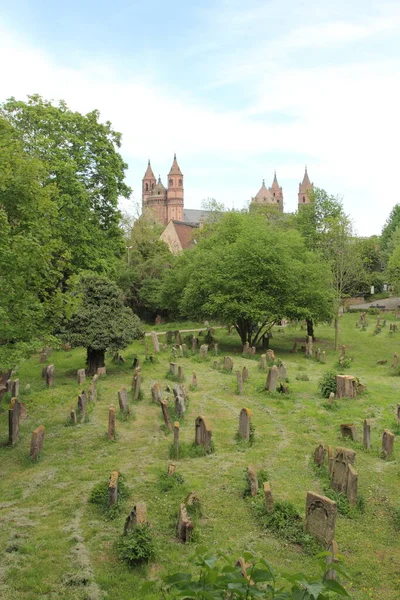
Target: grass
<point>60,545</point>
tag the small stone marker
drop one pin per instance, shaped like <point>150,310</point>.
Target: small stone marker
<point>239,382</point>
<point>136,385</point>
<point>156,393</point>
<point>123,400</point>
<point>95,379</point>
<point>346,386</point>
<point>244,423</point>
<point>330,460</point>
<point>352,483</point>
<point>395,360</point>
<point>319,455</point>
<point>387,443</point>
<point>8,386</point>
<point>195,343</point>
<point>101,371</point>
<point>82,404</point>
<point>180,406</point>
<point>81,376</point>
<point>342,459</point>
<point>321,515</point>
<point>13,421</point>
<point>73,416</point>
<point>331,398</point>
<point>111,422</point>
<point>176,436</point>
<point>228,363</point>
<point>50,375</point>
<point>181,375</point>
<point>203,350</point>
<point>272,379</point>
<point>172,368</point>
<point>216,365</point>
<point>332,558</point>
<point>15,388</point>
<point>154,339</point>
<point>92,393</point>
<point>282,373</point>
<point>263,362</point>
<point>137,516</point>
<point>113,488</point>
<point>245,374</point>
<point>203,433</point>
<point>309,346</point>
<point>367,434</point>
<point>269,501</point>
<point>270,355</point>
<point>253,479</point>
<point>185,526</point>
<point>318,355</point>
<point>165,413</point>
<point>349,430</point>
<point>171,469</point>
<point>246,348</point>
<point>37,442</point>
<point>194,380</point>
<point>323,357</point>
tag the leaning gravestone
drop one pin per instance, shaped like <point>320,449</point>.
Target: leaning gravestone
<point>319,455</point>
<point>185,526</point>
<point>203,433</point>
<point>253,480</point>
<point>176,436</point>
<point>137,516</point>
<point>50,375</point>
<point>272,379</point>
<point>342,459</point>
<point>82,404</point>
<point>13,421</point>
<point>367,434</point>
<point>387,443</point>
<point>349,430</point>
<point>111,422</point>
<point>156,393</point>
<point>321,515</point>
<point>154,339</point>
<point>15,388</point>
<point>123,400</point>
<point>269,501</point>
<point>244,423</point>
<point>37,442</point>
<point>228,363</point>
<point>165,413</point>
<point>245,374</point>
<point>113,488</point>
<point>81,376</point>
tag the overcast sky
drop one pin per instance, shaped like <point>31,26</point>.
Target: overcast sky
<point>236,89</point>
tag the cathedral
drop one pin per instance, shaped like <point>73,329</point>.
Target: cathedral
<point>167,204</point>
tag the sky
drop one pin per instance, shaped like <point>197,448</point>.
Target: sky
<point>235,89</point>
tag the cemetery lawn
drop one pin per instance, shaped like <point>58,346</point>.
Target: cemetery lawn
<point>56,545</point>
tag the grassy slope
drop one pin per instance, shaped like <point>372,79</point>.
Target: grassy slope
<point>60,547</point>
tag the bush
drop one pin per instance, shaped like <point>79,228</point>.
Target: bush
<point>373,310</point>
<point>189,450</point>
<point>327,383</point>
<point>137,546</point>
<point>99,497</point>
<point>169,482</point>
<point>346,363</point>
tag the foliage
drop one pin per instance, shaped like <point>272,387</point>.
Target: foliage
<point>249,274</point>
<point>99,497</point>
<point>137,545</point>
<point>327,383</point>
<point>187,450</point>
<point>302,377</point>
<point>262,476</point>
<point>219,579</point>
<point>391,227</point>
<point>167,482</point>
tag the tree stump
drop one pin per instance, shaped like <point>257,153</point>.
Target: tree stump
<point>346,386</point>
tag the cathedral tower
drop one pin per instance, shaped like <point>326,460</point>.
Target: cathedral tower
<point>305,189</point>
<point>277,194</point>
<point>148,183</point>
<point>175,193</point>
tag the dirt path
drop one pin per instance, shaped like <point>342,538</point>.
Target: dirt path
<point>186,330</point>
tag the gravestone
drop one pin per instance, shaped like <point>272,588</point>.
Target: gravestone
<point>185,526</point>
<point>92,393</point>
<point>101,371</point>
<point>180,349</point>
<point>387,443</point>
<point>171,469</point>
<point>216,350</point>
<point>319,455</point>
<point>15,388</point>
<point>269,501</point>
<point>367,434</point>
<point>331,398</point>
<point>13,421</point>
<point>81,376</point>
<point>318,355</point>
<point>8,386</point>
<point>181,375</point>
<point>178,338</point>
<point>174,352</point>
<point>194,380</point>
<point>216,365</point>
<point>154,339</point>
<point>50,375</point>
<point>82,404</point>
<point>203,350</point>
<point>95,379</point>
<point>330,460</point>
<point>136,386</point>
<point>228,363</point>
<point>352,483</point>
<point>113,488</point>
<point>167,420</point>
<point>137,516</point>
<point>73,416</point>
<point>346,386</point>
<point>245,374</point>
<point>246,348</point>
<point>195,343</point>
<point>239,382</point>
<point>263,362</point>
<point>395,360</point>
<point>111,422</point>
<point>203,433</point>
<point>172,368</point>
<point>253,351</point>
<point>349,431</point>
<point>323,357</point>
<point>176,436</point>
<point>156,393</point>
<point>253,479</point>
<point>321,515</point>
<point>342,459</point>
<point>332,558</point>
<point>272,379</point>
<point>309,346</point>
<point>37,442</point>
<point>180,406</point>
<point>282,374</point>
<point>270,355</point>
<point>22,411</point>
<point>244,423</point>
<point>169,336</point>
<point>123,399</point>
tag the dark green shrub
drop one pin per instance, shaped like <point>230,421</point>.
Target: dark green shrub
<point>327,383</point>
<point>99,497</point>
<point>169,482</point>
<point>137,546</point>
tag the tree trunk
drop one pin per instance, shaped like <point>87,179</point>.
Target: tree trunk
<point>94,360</point>
<point>310,328</point>
<point>336,332</point>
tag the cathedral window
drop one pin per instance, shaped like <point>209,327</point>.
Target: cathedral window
<point>171,182</point>
<point>147,187</point>
<point>304,198</point>
<point>180,182</point>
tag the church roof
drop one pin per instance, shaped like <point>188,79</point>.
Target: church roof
<point>149,172</point>
<point>264,195</point>
<point>306,183</point>
<point>275,184</point>
<point>159,187</point>
<point>192,216</point>
<point>175,170</point>
<point>184,231</point>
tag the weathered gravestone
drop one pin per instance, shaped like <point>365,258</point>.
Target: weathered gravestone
<point>253,480</point>
<point>269,500</point>
<point>172,368</point>
<point>37,442</point>
<point>330,460</point>
<point>137,516</point>
<point>180,406</point>
<point>136,384</point>
<point>15,388</point>
<point>165,413</point>
<point>245,374</point>
<point>331,398</point>
<point>81,376</point>
<point>367,434</point>
<point>321,515</point>
<point>318,355</point>
<point>194,380</point>
<point>203,433</point>
<point>272,379</point>
<point>111,422</point>
<point>203,350</point>
<point>239,379</point>
<point>263,362</point>
<point>387,443</point>
<point>176,436</point>
<point>282,373</point>
<point>92,393</point>
<point>244,423</point>
<point>395,360</point>
<point>82,404</point>
<point>185,526</point>
<point>348,430</point>
<point>332,558</point>
<point>50,375</point>
<point>101,371</point>
<point>352,484</point>
<point>270,355</point>
<point>246,349</point>
<point>113,488</point>
<point>13,421</point>
<point>216,365</point>
<point>95,379</point>
<point>309,346</point>
<point>73,416</point>
<point>346,386</point>
<point>195,343</point>
<point>178,338</point>
<point>342,459</point>
<point>181,375</point>
<point>154,339</point>
<point>323,357</point>
<point>156,393</point>
<point>171,469</point>
<point>228,363</point>
<point>319,455</point>
<point>123,400</point>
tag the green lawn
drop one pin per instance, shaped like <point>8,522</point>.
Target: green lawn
<point>54,545</point>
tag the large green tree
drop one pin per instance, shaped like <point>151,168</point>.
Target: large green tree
<point>248,272</point>
<point>100,321</point>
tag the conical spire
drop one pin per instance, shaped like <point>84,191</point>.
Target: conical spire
<point>275,184</point>
<point>175,170</point>
<point>264,194</point>
<point>149,172</point>
<point>306,183</point>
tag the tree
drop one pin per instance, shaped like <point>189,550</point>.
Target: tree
<point>84,166</point>
<point>391,226</point>
<point>247,273</point>
<point>100,321</point>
